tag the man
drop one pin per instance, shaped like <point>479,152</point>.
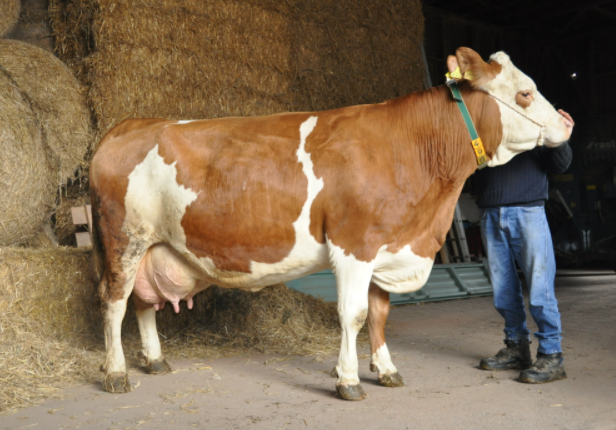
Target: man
<point>514,229</point>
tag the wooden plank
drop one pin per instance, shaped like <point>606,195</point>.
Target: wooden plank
<point>82,215</point>
<point>83,239</point>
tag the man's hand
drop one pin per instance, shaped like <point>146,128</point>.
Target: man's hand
<point>568,120</point>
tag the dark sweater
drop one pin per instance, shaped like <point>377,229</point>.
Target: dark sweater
<point>523,181</point>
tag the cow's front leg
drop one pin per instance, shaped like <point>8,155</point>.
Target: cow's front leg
<point>378,309</point>
<point>150,343</point>
<point>353,280</point>
<point>114,308</point>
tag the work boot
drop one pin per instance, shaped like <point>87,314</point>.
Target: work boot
<point>515,356</point>
<point>547,368</point>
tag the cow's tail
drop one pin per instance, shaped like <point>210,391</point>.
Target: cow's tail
<point>98,255</point>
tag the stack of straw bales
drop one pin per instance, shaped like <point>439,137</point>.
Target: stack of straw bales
<point>9,15</point>
<point>184,59</point>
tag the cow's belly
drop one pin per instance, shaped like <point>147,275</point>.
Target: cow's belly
<point>402,272</point>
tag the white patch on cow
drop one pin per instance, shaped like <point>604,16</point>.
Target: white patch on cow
<point>519,133</point>
<point>307,255</point>
<point>402,272</point>
<point>352,281</point>
<point>382,360</point>
<point>186,121</point>
<point>155,203</point>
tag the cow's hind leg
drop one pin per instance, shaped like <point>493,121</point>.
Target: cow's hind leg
<point>378,309</point>
<point>114,308</point>
<point>115,289</point>
<point>353,280</point>
<point>150,343</point>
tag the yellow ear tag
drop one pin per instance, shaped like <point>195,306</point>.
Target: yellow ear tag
<point>469,75</point>
<point>455,74</point>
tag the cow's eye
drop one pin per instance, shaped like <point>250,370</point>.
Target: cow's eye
<point>524,98</point>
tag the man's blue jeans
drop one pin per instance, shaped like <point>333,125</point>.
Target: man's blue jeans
<point>521,234</point>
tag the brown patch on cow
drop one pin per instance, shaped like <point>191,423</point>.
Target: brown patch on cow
<point>378,310</point>
<point>393,173</point>
<point>250,187</point>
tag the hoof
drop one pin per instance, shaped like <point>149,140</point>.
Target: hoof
<point>373,368</point>
<point>351,392</point>
<point>116,383</point>
<point>158,367</point>
<point>393,380</point>
<point>334,373</point>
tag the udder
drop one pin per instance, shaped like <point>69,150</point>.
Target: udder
<point>165,276</point>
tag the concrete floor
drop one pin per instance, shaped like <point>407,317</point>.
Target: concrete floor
<point>436,347</point>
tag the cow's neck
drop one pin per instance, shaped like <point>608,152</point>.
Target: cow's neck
<point>433,150</point>
<point>431,124</point>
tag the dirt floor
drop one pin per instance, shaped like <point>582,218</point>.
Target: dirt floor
<point>436,347</point>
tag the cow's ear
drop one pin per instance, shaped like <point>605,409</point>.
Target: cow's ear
<point>452,64</point>
<point>474,69</point>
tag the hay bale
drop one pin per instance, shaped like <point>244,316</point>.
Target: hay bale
<point>48,310</point>
<point>188,59</point>
<point>9,15</point>
<point>71,22</point>
<point>185,59</point>
<point>56,99</point>
<point>52,324</point>
<point>26,179</point>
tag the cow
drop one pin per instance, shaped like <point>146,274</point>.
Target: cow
<point>368,191</point>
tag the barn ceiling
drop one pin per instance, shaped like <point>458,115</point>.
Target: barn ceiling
<point>548,20</point>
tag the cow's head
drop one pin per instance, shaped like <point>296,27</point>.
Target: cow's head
<point>522,107</point>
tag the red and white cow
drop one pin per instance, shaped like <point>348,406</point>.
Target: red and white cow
<point>368,191</point>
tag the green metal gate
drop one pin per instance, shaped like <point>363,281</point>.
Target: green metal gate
<point>446,282</point>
